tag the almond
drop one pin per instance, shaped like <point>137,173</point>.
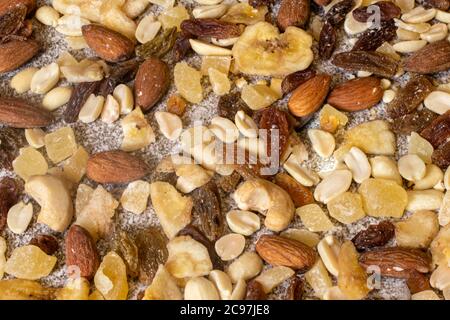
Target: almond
<point>5,5</point>
<point>293,13</point>
<point>152,82</point>
<point>81,251</point>
<point>18,113</point>
<point>115,167</point>
<point>280,251</point>
<point>397,262</point>
<point>309,96</point>
<point>15,53</point>
<point>107,44</point>
<point>356,94</point>
<point>434,57</point>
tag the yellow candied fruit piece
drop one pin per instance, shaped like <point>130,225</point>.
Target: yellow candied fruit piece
<point>30,162</point>
<point>18,289</point>
<point>346,208</point>
<point>319,279</point>
<point>163,287</point>
<point>96,295</point>
<point>352,278</point>
<point>220,63</point>
<point>60,144</point>
<point>309,238</point>
<point>275,85</point>
<point>173,17</point>
<point>135,196</point>
<point>111,278</point>
<point>331,119</point>
<point>440,247</point>
<point>383,198</point>
<point>188,82</point>
<point>258,96</point>
<point>219,81</point>
<point>29,263</point>
<point>243,13</point>
<point>75,289</point>
<point>314,218</point>
<point>373,137</point>
<point>418,230</point>
<point>75,167</point>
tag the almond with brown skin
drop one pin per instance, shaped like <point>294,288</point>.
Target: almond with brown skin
<point>279,251</point>
<point>5,5</point>
<point>18,113</point>
<point>152,82</point>
<point>81,251</point>
<point>322,2</point>
<point>397,262</point>
<point>356,94</point>
<point>434,57</point>
<point>293,13</point>
<point>108,44</point>
<point>115,167</point>
<point>16,53</point>
<point>309,96</point>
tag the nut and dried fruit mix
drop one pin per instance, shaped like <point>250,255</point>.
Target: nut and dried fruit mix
<point>223,149</point>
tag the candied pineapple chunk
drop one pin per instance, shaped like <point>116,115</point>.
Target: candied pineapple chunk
<point>60,144</point>
<point>420,147</point>
<point>137,132</point>
<point>75,289</point>
<point>163,287</point>
<point>18,289</point>
<point>319,279</point>
<point>383,198</point>
<point>84,193</point>
<point>220,63</point>
<point>172,208</point>
<point>352,278</point>
<point>331,119</point>
<point>75,167</point>
<point>188,82</point>
<point>440,247</point>
<point>96,295</point>
<point>373,137</point>
<point>172,17</point>
<point>418,230</point>
<point>135,196</point>
<point>30,162</point>
<point>309,238</point>
<point>273,277</point>
<point>29,263</point>
<point>258,96</point>
<point>219,81</point>
<point>111,277</point>
<point>346,208</point>
<point>314,218</point>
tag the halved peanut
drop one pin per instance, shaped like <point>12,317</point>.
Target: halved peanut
<point>224,129</point>
<point>21,82</point>
<point>359,165</point>
<point>424,200</point>
<point>19,217</point>
<point>437,32</point>
<point>432,177</point>
<point>420,147</point>
<point>92,109</point>
<point>111,110</point>
<point>322,142</point>
<point>440,278</point>
<point>45,79</point>
<point>170,124</point>
<point>230,246</point>
<point>388,96</point>
<point>124,96</point>
<point>419,14</point>
<point>239,290</point>
<point>247,127</point>
<point>246,267</point>
<point>271,278</point>
<point>35,137</point>
<point>70,25</point>
<point>409,46</point>
<point>328,249</point>
<point>333,185</point>
<point>442,16</point>
<point>56,98</point>
<point>206,49</point>
<point>223,283</point>
<point>411,167</point>
<point>303,175</point>
<point>243,222</point>
<point>414,27</point>
<point>403,34</point>
<point>438,101</point>
<point>405,5</point>
<point>200,288</point>
<point>147,29</point>
<point>211,11</point>
<point>47,15</point>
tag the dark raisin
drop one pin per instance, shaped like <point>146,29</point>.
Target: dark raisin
<point>181,47</point>
<point>80,94</point>
<point>11,140</point>
<point>228,183</point>
<point>120,73</point>
<point>255,291</point>
<point>293,80</point>
<point>214,28</point>
<point>159,46</point>
<point>438,131</point>
<point>230,104</point>
<point>376,235</point>
<point>371,39</point>
<point>295,289</point>
<point>300,195</point>
<point>12,21</point>
<point>441,155</point>
<point>388,10</point>
<point>128,250</point>
<point>370,61</point>
<point>443,5</point>
<point>337,13</point>
<point>416,121</point>
<point>277,125</point>
<point>327,41</point>
<point>9,195</point>
<point>47,243</point>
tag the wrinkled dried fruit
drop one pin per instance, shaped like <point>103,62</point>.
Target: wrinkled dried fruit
<point>255,291</point>
<point>388,11</point>
<point>11,21</point>
<point>159,46</point>
<point>438,131</point>
<point>441,156</point>
<point>337,12</point>
<point>293,80</point>
<point>300,194</point>
<point>374,62</point>
<point>47,243</point>
<point>294,290</point>
<point>9,195</point>
<point>346,208</point>
<point>376,235</point>
<point>413,122</point>
<point>230,104</point>
<point>327,40</point>
<point>80,94</point>
<point>111,277</point>
<point>228,183</point>
<point>30,263</point>
<point>10,141</point>
<point>181,47</point>
<point>128,250</point>
<point>17,289</point>
<point>121,73</point>
<point>418,230</point>
<point>374,37</point>
<point>213,28</point>
<point>276,123</point>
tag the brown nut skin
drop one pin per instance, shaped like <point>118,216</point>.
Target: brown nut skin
<point>18,113</point>
<point>107,44</point>
<point>293,13</point>
<point>16,53</point>
<point>151,84</point>
<point>309,96</point>
<point>432,58</point>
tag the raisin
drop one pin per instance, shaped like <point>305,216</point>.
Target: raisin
<point>228,183</point>
<point>10,141</point>
<point>443,5</point>
<point>294,290</point>
<point>230,104</point>
<point>255,291</point>
<point>9,195</point>
<point>181,47</point>
<point>388,11</point>
<point>176,105</point>
<point>128,250</point>
<point>416,121</point>
<point>120,73</point>
<point>213,28</point>
<point>410,96</point>
<point>159,46</point>
<point>152,251</point>
<point>438,131</point>
<point>197,235</point>
<point>300,195</point>
<point>47,243</point>
<point>371,39</point>
<point>12,21</point>
<point>337,13</point>
<point>80,94</point>
<point>293,80</point>
<point>376,235</point>
<point>275,122</point>
<point>370,61</point>
<point>207,208</point>
<point>327,41</point>
<point>441,156</point>
<point>418,282</point>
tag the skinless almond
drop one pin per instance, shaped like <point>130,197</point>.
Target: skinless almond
<point>17,113</point>
<point>309,96</point>
<point>356,94</point>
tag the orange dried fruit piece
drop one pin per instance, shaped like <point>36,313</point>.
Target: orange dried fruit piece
<point>60,144</point>
<point>373,137</point>
<point>75,167</point>
<point>163,287</point>
<point>219,81</point>
<point>346,208</point>
<point>176,105</point>
<point>29,263</point>
<point>111,278</point>
<point>352,278</point>
<point>314,218</point>
<point>331,119</point>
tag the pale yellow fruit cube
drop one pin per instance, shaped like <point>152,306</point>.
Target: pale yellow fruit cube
<point>60,144</point>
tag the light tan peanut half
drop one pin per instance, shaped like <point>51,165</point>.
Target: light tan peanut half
<point>35,137</point>
<point>21,82</point>
<point>432,177</point>
<point>246,267</point>
<point>200,288</point>
<point>222,282</point>
<point>239,290</point>
<point>424,200</point>
<point>409,46</point>
<point>322,142</point>
<point>388,95</point>
<point>271,278</point>
<point>170,124</point>
<point>19,217</point>
<point>206,49</point>
<point>444,210</point>
<point>92,109</point>
<point>437,32</point>
<point>405,5</point>
<point>45,79</point>
<point>440,278</point>
<point>421,147</point>
<point>224,129</point>
<point>230,246</point>
<point>333,185</point>
<point>328,249</point>
<point>211,12</point>
<point>419,14</point>
<point>442,16</point>
<point>111,110</point>
<point>438,101</point>
<point>124,96</point>
<point>47,15</point>
<point>243,222</point>
<point>70,25</point>
<point>303,175</point>
<point>414,27</point>
<point>359,165</point>
<point>411,167</point>
<point>147,29</point>
<point>403,34</point>
<point>247,127</point>
<point>224,42</point>
<point>56,98</point>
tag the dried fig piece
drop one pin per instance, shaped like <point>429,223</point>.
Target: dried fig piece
<point>152,251</point>
<point>11,140</point>
<point>181,47</point>
<point>213,28</point>
<point>432,58</point>
<point>230,104</point>
<point>327,41</point>
<point>293,80</point>
<point>275,121</point>
<point>441,156</point>
<point>418,282</point>
<point>300,195</point>
<point>438,131</point>
<point>128,250</point>
<point>207,208</point>
<point>337,13</point>
<point>294,290</point>
<point>47,243</point>
<point>443,5</point>
<point>371,39</point>
<point>120,73</point>
<point>255,291</point>
<point>228,183</point>
<point>80,94</point>
<point>410,96</point>
<point>370,61</point>
<point>376,235</point>
<point>416,121</point>
<point>388,11</point>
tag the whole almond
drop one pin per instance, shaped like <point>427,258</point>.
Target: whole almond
<point>309,96</point>
<point>115,167</point>
<point>434,57</point>
<point>107,44</point>
<point>18,113</point>
<point>356,94</point>
<point>16,53</point>
<point>152,82</point>
<point>279,251</point>
<point>293,13</point>
<point>397,262</point>
<point>81,251</point>
<point>5,5</point>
